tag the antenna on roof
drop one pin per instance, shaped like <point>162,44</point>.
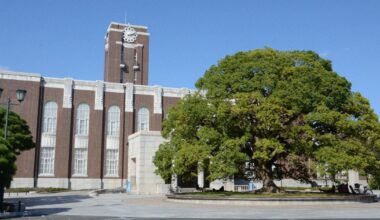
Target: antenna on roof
<point>125,17</point>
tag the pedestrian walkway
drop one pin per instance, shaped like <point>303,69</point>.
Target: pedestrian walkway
<point>135,206</point>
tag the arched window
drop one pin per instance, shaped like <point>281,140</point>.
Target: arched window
<point>83,117</point>
<point>50,118</point>
<point>143,119</point>
<point>113,124</point>
<point>112,147</point>
<point>48,139</point>
<point>81,140</point>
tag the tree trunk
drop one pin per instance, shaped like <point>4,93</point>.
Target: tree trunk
<point>268,181</point>
<point>269,186</point>
<point>1,198</point>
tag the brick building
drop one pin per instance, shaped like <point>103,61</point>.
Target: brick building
<point>94,134</point>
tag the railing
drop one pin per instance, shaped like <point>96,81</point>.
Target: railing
<point>241,188</point>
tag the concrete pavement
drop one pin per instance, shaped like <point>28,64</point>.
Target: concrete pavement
<point>74,204</point>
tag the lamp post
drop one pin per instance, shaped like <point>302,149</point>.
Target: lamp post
<point>20,95</point>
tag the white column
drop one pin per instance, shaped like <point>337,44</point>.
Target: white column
<point>157,105</point>
<point>201,176</point>
<point>67,93</point>
<point>353,177</point>
<point>99,93</point>
<point>129,90</point>
<point>174,182</point>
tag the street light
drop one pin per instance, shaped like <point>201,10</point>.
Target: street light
<point>20,95</point>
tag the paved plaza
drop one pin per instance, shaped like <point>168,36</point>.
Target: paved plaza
<point>79,205</point>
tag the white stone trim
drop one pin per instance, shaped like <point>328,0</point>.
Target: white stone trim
<point>157,107</point>
<point>79,175</point>
<point>129,90</point>
<point>81,141</point>
<point>144,90</point>
<point>111,176</point>
<point>99,93</point>
<point>85,85</point>
<point>21,76</point>
<point>177,93</point>
<point>126,45</point>
<point>68,93</point>
<point>45,175</point>
<point>54,83</point>
<point>113,87</point>
<point>144,133</point>
<point>129,45</point>
<point>81,183</point>
<point>53,182</point>
<point>22,183</point>
<point>112,183</point>
<point>143,33</point>
<point>128,25</point>
<point>112,142</point>
<point>121,31</point>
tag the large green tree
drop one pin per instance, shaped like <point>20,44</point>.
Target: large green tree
<point>275,111</point>
<point>18,139</point>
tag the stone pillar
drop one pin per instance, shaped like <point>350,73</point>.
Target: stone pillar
<point>229,185</point>
<point>201,176</point>
<point>353,177</point>
<point>174,182</point>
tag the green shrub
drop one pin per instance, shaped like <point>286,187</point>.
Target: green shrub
<point>374,182</point>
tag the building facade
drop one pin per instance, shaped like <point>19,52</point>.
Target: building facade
<point>101,134</point>
<point>94,134</point>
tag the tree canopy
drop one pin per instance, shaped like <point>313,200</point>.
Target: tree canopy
<point>18,139</point>
<point>269,114</point>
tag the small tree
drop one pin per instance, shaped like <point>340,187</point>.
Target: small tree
<point>18,139</point>
<point>276,111</point>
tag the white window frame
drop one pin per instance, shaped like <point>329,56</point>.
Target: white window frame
<point>82,119</point>
<point>50,118</point>
<point>112,162</point>
<point>80,152</point>
<point>111,165</point>
<point>48,139</point>
<point>47,159</point>
<point>143,119</point>
<point>113,121</point>
<point>80,162</point>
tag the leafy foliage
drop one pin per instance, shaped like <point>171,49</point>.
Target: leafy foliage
<point>276,111</point>
<point>7,163</point>
<point>19,139</point>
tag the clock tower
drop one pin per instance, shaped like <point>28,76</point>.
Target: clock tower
<point>126,54</point>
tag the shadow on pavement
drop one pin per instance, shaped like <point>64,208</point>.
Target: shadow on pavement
<point>48,200</point>
<point>37,213</point>
<point>47,211</point>
<point>30,202</point>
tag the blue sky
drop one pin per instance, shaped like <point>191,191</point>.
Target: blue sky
<point>66,38</point>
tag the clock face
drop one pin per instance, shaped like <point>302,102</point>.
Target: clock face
<point>130,35</point>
